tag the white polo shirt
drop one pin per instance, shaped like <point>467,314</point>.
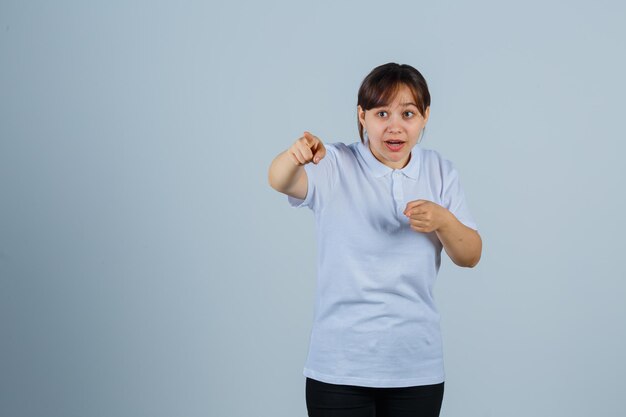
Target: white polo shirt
<point>375,319</point>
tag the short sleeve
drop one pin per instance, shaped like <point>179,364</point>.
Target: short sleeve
<point>453,197</point>
<point>320,178</point>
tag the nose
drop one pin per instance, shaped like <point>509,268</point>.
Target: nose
<point>394,125</point>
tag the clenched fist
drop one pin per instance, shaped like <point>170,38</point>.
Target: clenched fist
<point>307,148</point>
<point>426,216</point>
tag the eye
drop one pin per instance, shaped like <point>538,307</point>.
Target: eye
<point>412,114</point>
<point>382,111</point>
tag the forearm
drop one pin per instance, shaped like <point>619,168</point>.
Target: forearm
<point>283,172</point>
<point>463,244</point>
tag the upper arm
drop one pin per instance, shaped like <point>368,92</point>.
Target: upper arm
<point>453,196</point>
<point>314,186</point>
<point>300,187</point>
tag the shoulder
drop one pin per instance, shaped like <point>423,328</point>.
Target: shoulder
<point>338,150</point>
<point>436,162</point>
<point>336,146</point>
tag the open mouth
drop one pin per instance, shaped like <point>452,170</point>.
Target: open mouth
<point>394,145</point>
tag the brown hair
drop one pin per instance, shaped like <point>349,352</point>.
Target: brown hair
<point>381,85</point>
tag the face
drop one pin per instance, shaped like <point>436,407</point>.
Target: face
<point>400,121</point>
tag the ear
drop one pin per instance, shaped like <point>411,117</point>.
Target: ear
<point>426,114</point>
<point>361,113</point>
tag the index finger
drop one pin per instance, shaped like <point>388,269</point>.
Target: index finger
<point>412,204</point>
<point>310,135</point>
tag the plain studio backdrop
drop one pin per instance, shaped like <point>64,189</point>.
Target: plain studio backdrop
<point>148,269</point>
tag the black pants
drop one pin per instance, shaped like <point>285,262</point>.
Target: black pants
<point>332,400</point>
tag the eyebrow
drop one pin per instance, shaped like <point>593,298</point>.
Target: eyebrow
<point>402,104</point>
<point>384,106</point>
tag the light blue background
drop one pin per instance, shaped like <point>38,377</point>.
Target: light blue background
<point>148,269</point>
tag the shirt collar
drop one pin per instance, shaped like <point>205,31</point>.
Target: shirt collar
<point>379,169</point>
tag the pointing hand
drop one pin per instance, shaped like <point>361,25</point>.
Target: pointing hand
<point>307,148</point>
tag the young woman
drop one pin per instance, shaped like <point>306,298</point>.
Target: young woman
<point>384,208</point>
